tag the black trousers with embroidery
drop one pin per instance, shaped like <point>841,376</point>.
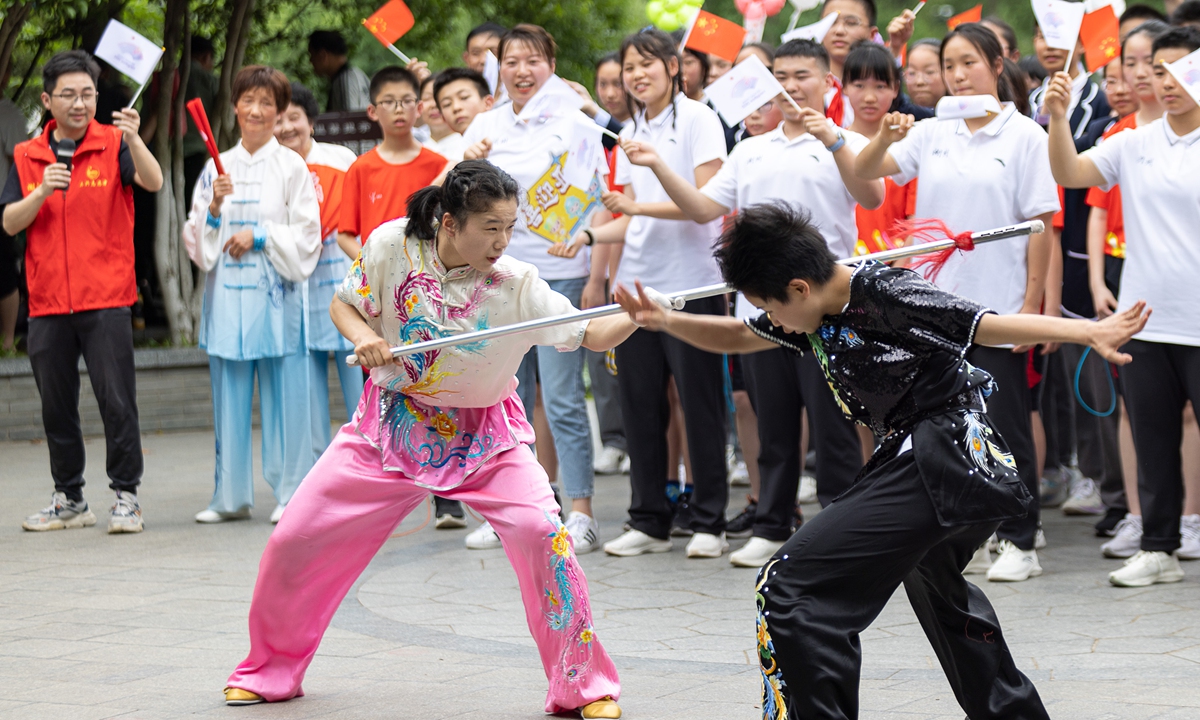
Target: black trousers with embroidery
<point>834,576</point>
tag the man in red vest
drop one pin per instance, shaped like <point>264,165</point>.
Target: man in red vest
<point>70,190</point>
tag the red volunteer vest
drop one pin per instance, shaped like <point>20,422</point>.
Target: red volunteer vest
<point>79,248</point>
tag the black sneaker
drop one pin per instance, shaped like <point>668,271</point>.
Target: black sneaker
<point>449,514</point>
<point>1107,527</point>
<point>740,526</point>
<point>681,524</point>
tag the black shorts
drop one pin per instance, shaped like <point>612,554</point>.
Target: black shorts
<point>10,279</point>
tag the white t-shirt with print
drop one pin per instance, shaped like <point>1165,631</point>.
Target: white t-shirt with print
<point>995,177</point>
<point>671,255</point>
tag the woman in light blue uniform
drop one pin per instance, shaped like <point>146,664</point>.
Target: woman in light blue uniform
<point>256,231</point>
<point>327,164</point>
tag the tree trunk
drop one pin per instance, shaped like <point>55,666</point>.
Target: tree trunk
<point>167,230</point>
<point>10,30</point>
<point>236,37</point>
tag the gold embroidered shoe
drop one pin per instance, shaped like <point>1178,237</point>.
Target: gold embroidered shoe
<point>606,708</point>
<point>238,696</point>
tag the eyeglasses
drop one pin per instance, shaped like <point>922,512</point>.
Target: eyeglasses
<point>390,105</point>
<point>849,21</point>
<point>88,98</point>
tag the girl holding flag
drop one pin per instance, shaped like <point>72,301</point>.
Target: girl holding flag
<point>1001,157</point>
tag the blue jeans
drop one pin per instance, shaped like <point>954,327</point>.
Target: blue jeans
<point>561,375</point>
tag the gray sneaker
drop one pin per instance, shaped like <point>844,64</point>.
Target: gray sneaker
<point>60,515</point>
<point>126,514</point>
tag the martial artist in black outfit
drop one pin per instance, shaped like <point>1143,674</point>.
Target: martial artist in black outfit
<point>936,488</point>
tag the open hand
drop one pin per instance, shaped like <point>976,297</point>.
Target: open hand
<point>1109,334</point>
<point>568,250</point>
<point>643,311</point>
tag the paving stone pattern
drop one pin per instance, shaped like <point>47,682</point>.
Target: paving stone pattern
<point>149,626</point>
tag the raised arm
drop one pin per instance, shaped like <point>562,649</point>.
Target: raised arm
<point>1105,337</point>
<point>693,204</point>
<point>868,193</point>
<point>713,333</point>
<point>1070,169</point>
<point>873,161</point>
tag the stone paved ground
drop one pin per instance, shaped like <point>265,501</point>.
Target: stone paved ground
<point>149,626</point>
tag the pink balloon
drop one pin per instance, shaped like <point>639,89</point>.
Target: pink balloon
<point>752,9</point>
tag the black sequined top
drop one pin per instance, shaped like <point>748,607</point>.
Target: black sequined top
<point>897,352</point>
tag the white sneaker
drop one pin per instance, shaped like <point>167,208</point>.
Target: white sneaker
<point>1014,564</point>
<point>212,516</point>
<point>608,461</point>
<point>808,489</point>
<point>707,545</point>
<point>1039,540</point>
<point>1147,568</point>
<point>625,466</point>
<point>584,532</point>
<point>483,538</point>
<point>1085,498</point>
<point>636,542</point>
<point>980,562</point>
<point>755,553</point>
<point>1128,539</point>
<point>1189,531</point>
<point>740,475</point>
<point>993,543</point>
<point>277,513</point>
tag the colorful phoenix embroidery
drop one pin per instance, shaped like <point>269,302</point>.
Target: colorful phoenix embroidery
<point>773,704</point>
<point>980,447</point>
<point>568,611</point>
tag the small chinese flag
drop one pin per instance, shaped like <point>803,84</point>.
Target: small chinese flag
<point>973,15</point>
<point>715,35</point>
<point>1100,33</point>
<point>390,22</point>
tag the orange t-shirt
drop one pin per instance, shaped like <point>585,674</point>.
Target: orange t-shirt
<point>899,202</point>
<point>375,191</point>
<point>1114,239</point>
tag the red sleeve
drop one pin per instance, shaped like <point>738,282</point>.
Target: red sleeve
<point>1059,217</point>
<point>351,199</point>
<point>910,209</point>
<point>1098,198</point>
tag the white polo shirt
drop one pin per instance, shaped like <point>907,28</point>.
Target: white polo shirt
<point>526,150</point>
<point>998,176</point>
<point>1159,174</point>
<point>801,172</point>
<point>671,255</point>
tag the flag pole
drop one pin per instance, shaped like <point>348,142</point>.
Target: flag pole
<point>138,94</point>
<point>917,9</point>
<point>678,299</point>
<point>395,51</point>
<point>688,34</point>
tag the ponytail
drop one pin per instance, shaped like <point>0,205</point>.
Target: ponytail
<point>471,187</point>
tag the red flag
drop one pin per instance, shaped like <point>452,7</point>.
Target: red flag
<point>200,118</point>
<point>1100,33</point>
<point>715,35</point>
<point>973,15</point>
<point>390,22</point>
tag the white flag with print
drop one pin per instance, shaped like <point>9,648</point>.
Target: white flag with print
<point>128,52</point>
<point>967,107</point>
<point>1186,71</point>
<point>742,90</point>
<point>1059,22</point>
<point>553,99</point>
<point>584,154</point>
<point>815,32</point>
<point>491,71</point>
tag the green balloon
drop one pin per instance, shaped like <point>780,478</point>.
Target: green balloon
<point>669,22</point>
<point>654,10</point>
<point>672,5</point>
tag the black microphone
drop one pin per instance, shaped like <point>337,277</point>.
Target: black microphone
<point>66,151</point>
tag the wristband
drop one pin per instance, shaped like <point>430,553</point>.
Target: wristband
<point>841,143</point>
<point>260,238</point>
<point>590,235</point>
<point>211,221</point>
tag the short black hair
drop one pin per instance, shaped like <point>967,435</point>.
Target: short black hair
<point>766,246</point>
<point>303,98</point>
<point>1188,12</point>
<point>393,74</point>
<point>488,28</point>
<point>1139,11</point>
<point>449,75</point>
<point>201,46</point>
<point>611,57</point>
<point>331,41</point>
<point>803,48</point>
<point>1031,66</point>
<point>1180,38</point>
<point>868,5</point>
<point>66,62</point>
<point>426,81</point>
<point>1151,29</point>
